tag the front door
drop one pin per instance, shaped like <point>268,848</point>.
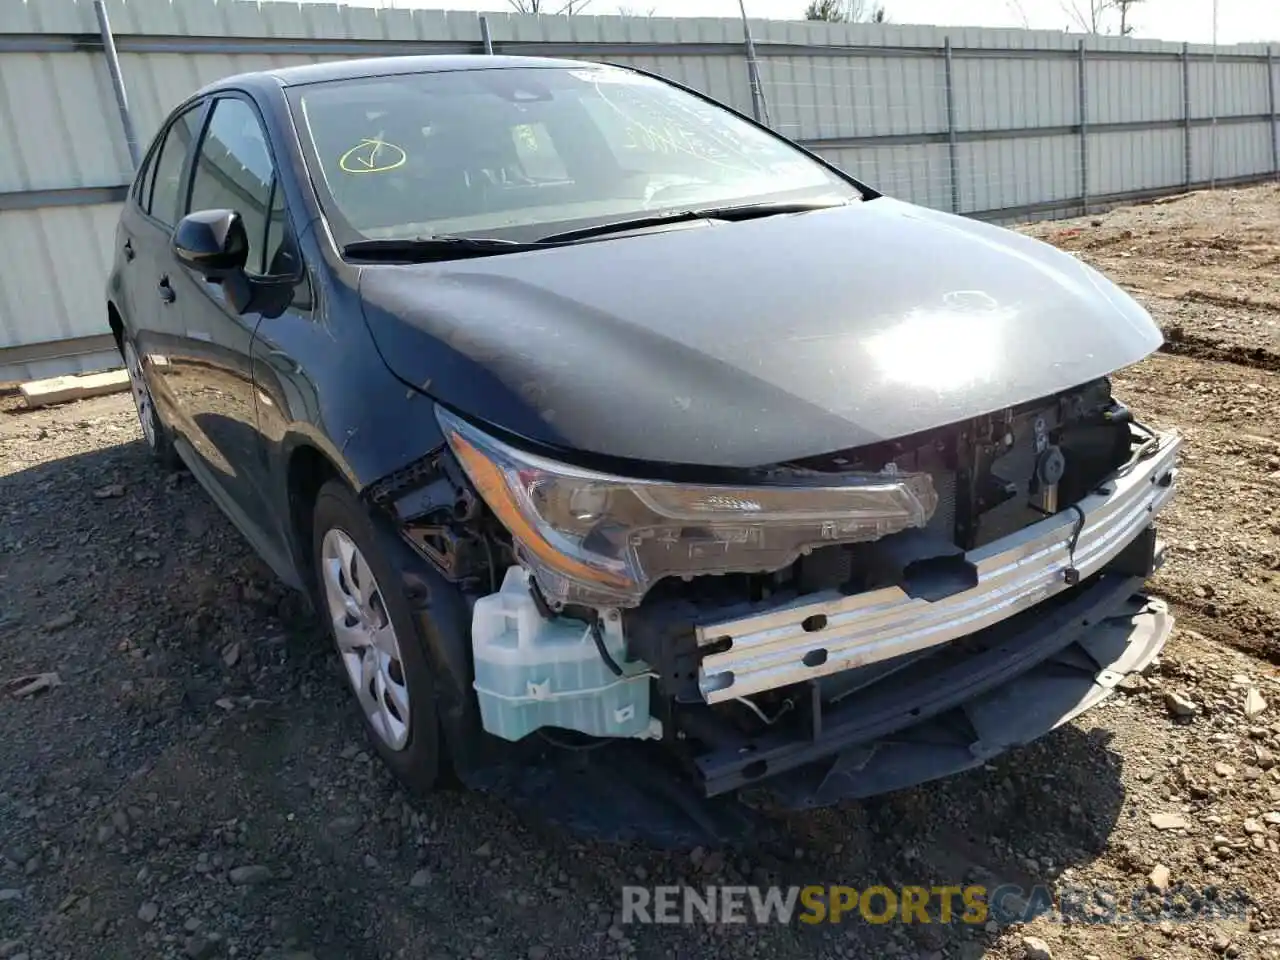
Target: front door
<point>232,169</point>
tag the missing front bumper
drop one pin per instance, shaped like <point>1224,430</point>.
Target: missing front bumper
<point>823,634</point>
<point>1038,672</point>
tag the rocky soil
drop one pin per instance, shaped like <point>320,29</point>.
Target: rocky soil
<point>182,774</point>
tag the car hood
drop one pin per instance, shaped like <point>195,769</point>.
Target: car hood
<point>752,343</point>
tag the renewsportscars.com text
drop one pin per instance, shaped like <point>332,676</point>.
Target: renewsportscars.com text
<point>971,904</point>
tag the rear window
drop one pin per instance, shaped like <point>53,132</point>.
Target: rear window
<point>521,153</point>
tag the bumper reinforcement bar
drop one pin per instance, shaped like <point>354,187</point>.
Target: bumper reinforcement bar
<point>830,632</point>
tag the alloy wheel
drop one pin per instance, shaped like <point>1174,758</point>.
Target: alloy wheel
<point>366,638</point>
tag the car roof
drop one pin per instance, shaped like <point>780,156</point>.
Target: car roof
<point>386,66</point>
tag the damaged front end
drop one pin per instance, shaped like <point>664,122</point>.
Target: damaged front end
<point>861,621</point>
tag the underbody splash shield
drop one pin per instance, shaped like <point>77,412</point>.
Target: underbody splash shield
<point>829,632</point>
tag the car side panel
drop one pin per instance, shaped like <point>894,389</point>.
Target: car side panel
<point>232,169</point>
<point>321,383</point>
<point>318,379</point>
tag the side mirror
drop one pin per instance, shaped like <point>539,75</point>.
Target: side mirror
<point>212,242</point>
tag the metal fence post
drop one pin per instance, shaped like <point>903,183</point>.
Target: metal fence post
<point>1186,114</point>
<point>1271,102</point>
<point>485,35</point>
<point>1084,132</point>
<point>117,81</point>
<point>1213,108</point>
<point>759,108</point>
<point>952,154</point>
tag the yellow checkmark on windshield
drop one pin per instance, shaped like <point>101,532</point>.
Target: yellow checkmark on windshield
<point>372,156</point>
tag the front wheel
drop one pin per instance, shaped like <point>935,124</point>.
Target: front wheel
<point>371,624</point>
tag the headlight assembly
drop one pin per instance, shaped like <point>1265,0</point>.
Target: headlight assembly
<point>603,540</point>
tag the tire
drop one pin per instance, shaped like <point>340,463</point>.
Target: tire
<point>155,434</point>
<point>381,674</point>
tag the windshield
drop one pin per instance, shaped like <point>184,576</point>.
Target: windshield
<point>522,153</point>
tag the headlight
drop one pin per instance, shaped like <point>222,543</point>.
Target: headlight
<point>602,540</point>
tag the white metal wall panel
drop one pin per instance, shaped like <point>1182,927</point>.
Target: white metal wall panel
<point>1134,160</point>
<point>1241,150</point>
<point>157,82</point>
<point>917,173</point>
<point>47,16</point>
<point>995,175</point>
<point>1241,91</point>
<point>811,97</point>
<point>58,123</point>
<point>61,366</point>
<point>1010,94</point>
<point>53,280</point>
<point>1273,82</point>
<point>1129,91</point>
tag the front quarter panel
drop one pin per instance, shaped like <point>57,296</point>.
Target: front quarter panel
<point>322,383</point>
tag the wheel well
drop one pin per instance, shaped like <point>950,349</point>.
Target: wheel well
<point>117,326</point>
<point>309,470</point>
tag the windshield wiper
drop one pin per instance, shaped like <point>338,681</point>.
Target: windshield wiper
<point>427,249</point>
<point>744,211</point>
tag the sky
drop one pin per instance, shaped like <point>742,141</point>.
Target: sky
<point>1239,21</point>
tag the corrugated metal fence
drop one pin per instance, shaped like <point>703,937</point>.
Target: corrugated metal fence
<point>1000,124</point>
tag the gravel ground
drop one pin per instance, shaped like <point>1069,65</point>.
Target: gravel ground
<point>195,782</point>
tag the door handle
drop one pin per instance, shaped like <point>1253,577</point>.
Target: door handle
<point>128,250</point>
<point>166,291</point>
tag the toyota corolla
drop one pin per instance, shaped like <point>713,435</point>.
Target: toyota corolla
<point>588,410</point>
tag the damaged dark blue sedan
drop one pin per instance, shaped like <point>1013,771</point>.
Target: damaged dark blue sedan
<point>588,412</point>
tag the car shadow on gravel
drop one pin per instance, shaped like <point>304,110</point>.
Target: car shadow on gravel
<point>202,726</point>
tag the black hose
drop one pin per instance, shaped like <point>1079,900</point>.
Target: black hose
<point>540,601</point>
<point>598,636</point>
<point>493,570</point>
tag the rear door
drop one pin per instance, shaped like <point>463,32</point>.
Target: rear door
<point>125,279</point>
<point>145,238</point>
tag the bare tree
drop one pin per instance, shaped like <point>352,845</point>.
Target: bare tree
<point>1087,15</point>
<point>549,6</point>
<point>1123,6</point>
<point>1015,7</point>
<point>626,10</point>
<point>831,11</point>
<point>846,11</point>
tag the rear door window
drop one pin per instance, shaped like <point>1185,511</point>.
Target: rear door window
<point>141,187</point>
<point>162,191</point>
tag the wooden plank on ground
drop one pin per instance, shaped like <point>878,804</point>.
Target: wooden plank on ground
<point>43,393</point>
